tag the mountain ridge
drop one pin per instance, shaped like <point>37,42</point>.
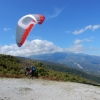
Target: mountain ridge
<point>88,63</point>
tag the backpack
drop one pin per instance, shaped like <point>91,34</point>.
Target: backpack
<point>33,69</point>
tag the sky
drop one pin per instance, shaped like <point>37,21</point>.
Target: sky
<point>69,26</point>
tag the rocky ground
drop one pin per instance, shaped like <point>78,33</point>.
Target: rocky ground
<point>38,89</point>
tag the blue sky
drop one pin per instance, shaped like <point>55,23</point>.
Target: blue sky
<point>70,26</point>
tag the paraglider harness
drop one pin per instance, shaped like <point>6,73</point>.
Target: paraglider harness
<point>30,71</point>
<point>33,70</point>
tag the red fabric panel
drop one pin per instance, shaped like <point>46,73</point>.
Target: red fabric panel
<point>27,31</point>
<point>42,18</point>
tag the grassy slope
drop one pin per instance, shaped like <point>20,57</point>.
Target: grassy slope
<point>11,66</point>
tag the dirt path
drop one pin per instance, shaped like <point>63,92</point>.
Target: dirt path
<point>38,89</point>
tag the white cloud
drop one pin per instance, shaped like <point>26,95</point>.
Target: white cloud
<point>56,13</point>
<point>42,47</point>
<point>89,27</point>
<point>78,31</point>
<point>95,27</point>
<point>76,48</point>
<point>30,47</point>
<point>7,29</point>
<point>78,41</point>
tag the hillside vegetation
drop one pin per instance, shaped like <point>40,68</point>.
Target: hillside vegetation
<point>70,70</point>
<point>11,66</point>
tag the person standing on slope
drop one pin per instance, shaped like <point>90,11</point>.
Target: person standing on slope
<point>32,71</point>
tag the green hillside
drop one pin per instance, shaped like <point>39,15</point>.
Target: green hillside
<point>69,70</point>
<point>11,66</point>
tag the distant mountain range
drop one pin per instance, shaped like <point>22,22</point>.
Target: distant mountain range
<point>88,63</point>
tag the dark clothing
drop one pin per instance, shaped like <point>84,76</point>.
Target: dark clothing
<point>32,72</point>
<point>27,70</point>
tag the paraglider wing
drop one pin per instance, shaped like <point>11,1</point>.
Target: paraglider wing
<point>25,25</point>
